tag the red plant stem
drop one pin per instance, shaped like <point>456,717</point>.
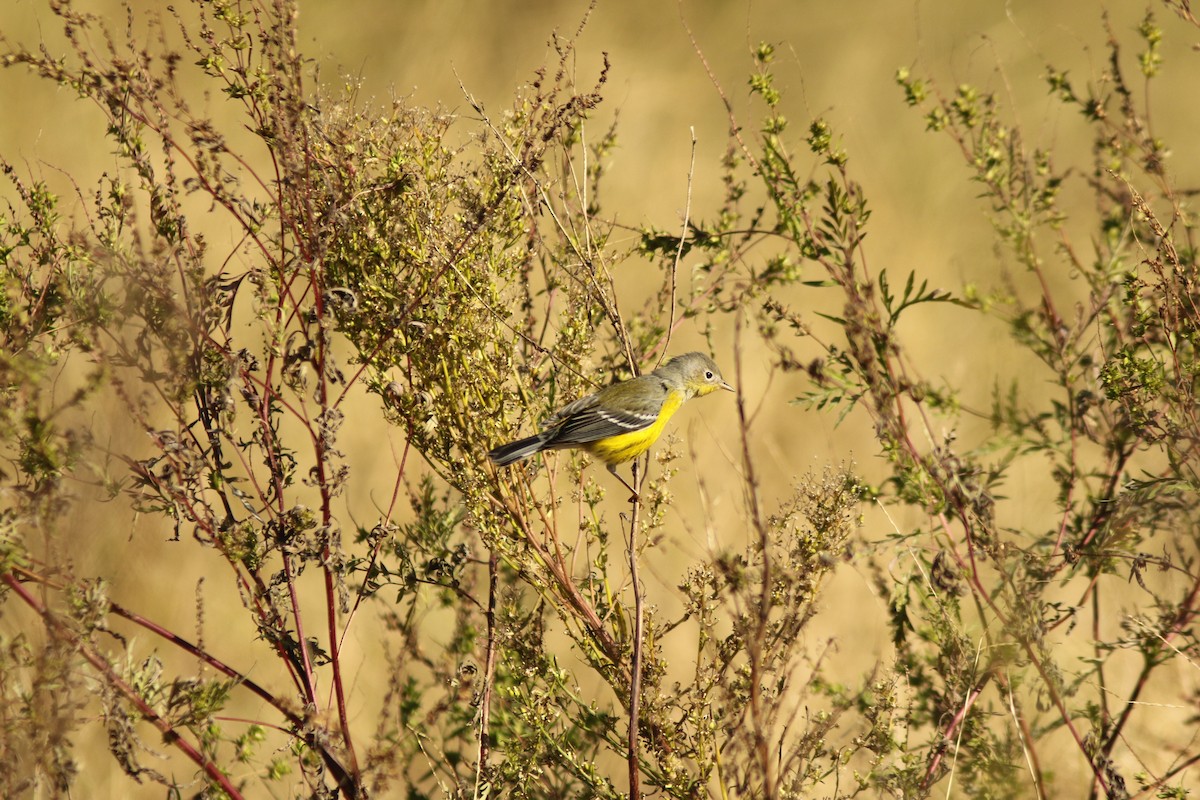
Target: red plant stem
<point>208,658</point>
<point>755,644</point>
<point>309,683</point>
<point>327,569</point>
<point>1184,615</point>
<point>170,734</point>
<point>361,594</point>
<point>295,720</point>
<point>635,669</point>
<point>959,717</point>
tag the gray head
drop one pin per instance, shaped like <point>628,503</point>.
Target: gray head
<point>696,371</point>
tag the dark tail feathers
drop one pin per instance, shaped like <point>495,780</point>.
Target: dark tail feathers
<point>520,449</point>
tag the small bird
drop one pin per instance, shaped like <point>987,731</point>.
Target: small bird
<point>620,422</point>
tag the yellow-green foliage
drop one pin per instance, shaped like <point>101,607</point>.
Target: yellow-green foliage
<point>245,295</point>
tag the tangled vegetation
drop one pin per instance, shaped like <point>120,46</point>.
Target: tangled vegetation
<point>465,287</point>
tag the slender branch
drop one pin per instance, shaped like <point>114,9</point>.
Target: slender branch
<point>758,639</point>
<point>956,724</point>
<point>298,723</point>
<point>1028,742</point>
<point>328,567</point>
<point>639,612</point>
<point>171,735</point>
<point>489,675</point>
<point>683,235</point>
<point>307,678</point>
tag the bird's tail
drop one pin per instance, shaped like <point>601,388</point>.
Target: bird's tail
<point>520,449</point>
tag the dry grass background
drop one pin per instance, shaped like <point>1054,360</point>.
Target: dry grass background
<point>835,59</point>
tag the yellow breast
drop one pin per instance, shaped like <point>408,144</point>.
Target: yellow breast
<point>628,446</point>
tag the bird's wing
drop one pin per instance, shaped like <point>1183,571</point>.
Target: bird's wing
<point>579,406</point>
<point>600,415</point>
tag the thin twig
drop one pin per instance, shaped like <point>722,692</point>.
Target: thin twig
<point>169,732</point>
<point>635,680</point>
<point>1027,742</point>
<point>956,726</point>
<point>755,644</point>
<point>489,673</point>
<point>307,678</point>
<point>683,236</point>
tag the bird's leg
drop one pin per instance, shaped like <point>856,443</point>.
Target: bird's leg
<point>633,495</point>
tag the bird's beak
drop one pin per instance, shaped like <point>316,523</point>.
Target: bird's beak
<point>725,385</point>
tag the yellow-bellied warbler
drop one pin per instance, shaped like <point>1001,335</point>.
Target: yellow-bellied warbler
<point>620,422</point>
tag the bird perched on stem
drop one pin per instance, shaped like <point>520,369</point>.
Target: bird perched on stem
<point>620,422</point>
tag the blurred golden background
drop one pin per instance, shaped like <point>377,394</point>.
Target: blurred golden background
<point>835,60</point>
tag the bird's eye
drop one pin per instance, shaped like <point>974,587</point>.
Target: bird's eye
<point>708,376</point>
